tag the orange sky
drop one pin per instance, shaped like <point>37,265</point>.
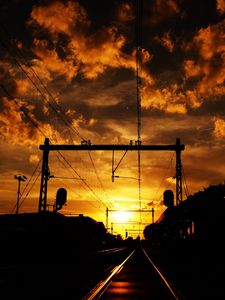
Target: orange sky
<point>83,53</point>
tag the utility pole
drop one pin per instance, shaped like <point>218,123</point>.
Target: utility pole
<point>19,178</point>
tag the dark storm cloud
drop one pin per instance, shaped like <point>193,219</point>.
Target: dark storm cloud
<point>166,41</point>
<point>167,128</point>
<point>162,10</point>
<point>91,54</point>
<point>6,77</point>
<point>17,163</point>
<point>204,162</point>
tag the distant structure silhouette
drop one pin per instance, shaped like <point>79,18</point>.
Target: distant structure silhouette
<point>19,178</point>
<point>192,219</point>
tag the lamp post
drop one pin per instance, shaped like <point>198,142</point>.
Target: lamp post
<point>19,178</point>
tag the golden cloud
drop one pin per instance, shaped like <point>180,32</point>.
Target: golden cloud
<point>71,113</point>
<point>193,99</point>
<point>103,100</point>
<point>58,17</point>
<point>166,41</point>
<point>33,158</point>
<point>98,51</point>
<point>91,54</point>
<point>92,122</point>
<point>40,69</point>
<point>169,99</point>
<point>211,40</point>
<point>210,65</point>
<point>219,128</point>
<point>78,121</point>
<point>214,76</point>
<point>13,129</point>
<point>220,5</point>
<point>191,69</point>
<point>171,180</point>
<point>51,60</point>
<point>23,86</point>
<point>16,128</point>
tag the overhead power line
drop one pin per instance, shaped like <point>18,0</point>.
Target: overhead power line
<point>58,110</point>
<point>85,184</point>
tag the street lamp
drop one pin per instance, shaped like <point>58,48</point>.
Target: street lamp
<point>19,178</point>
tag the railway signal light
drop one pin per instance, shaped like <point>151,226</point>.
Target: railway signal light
<point>168,198</point>
<point>61,197</point>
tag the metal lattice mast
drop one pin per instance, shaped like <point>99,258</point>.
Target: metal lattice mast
<point>179,194</point>
<point>139,83</point>
<point>44,178</point>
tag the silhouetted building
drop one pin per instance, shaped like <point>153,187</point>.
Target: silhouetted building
<point>199,217</point>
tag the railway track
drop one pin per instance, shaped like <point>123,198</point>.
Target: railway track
<point>56,277</point>
<point>137,277</point>
<point>119,273</point>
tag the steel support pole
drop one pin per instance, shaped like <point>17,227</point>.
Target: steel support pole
<point>18,197</point>
<point>107,218</point>
<point>179,196</point>
<point>44,178</point>
<point>153,212</point>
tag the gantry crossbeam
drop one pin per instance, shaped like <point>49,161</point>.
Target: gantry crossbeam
<point>103,147</point>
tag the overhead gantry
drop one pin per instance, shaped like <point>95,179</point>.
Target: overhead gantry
<point>87,146</point>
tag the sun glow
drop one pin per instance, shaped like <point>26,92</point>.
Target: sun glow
<point>122,216</point>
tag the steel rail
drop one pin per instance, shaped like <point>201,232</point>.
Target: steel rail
<point>162,276</point>
<point>100,288</point>
<point>107,251</point>
<point>102,285</point>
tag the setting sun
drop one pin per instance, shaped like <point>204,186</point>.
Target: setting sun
<point>122,216</point>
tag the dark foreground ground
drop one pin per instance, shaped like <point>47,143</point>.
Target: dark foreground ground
<point>196,268</point>
<point>46,259</point>
<point>47,269</point>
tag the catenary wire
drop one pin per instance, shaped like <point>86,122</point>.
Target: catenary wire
<point>59,111</point>
<point>38,127</point>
